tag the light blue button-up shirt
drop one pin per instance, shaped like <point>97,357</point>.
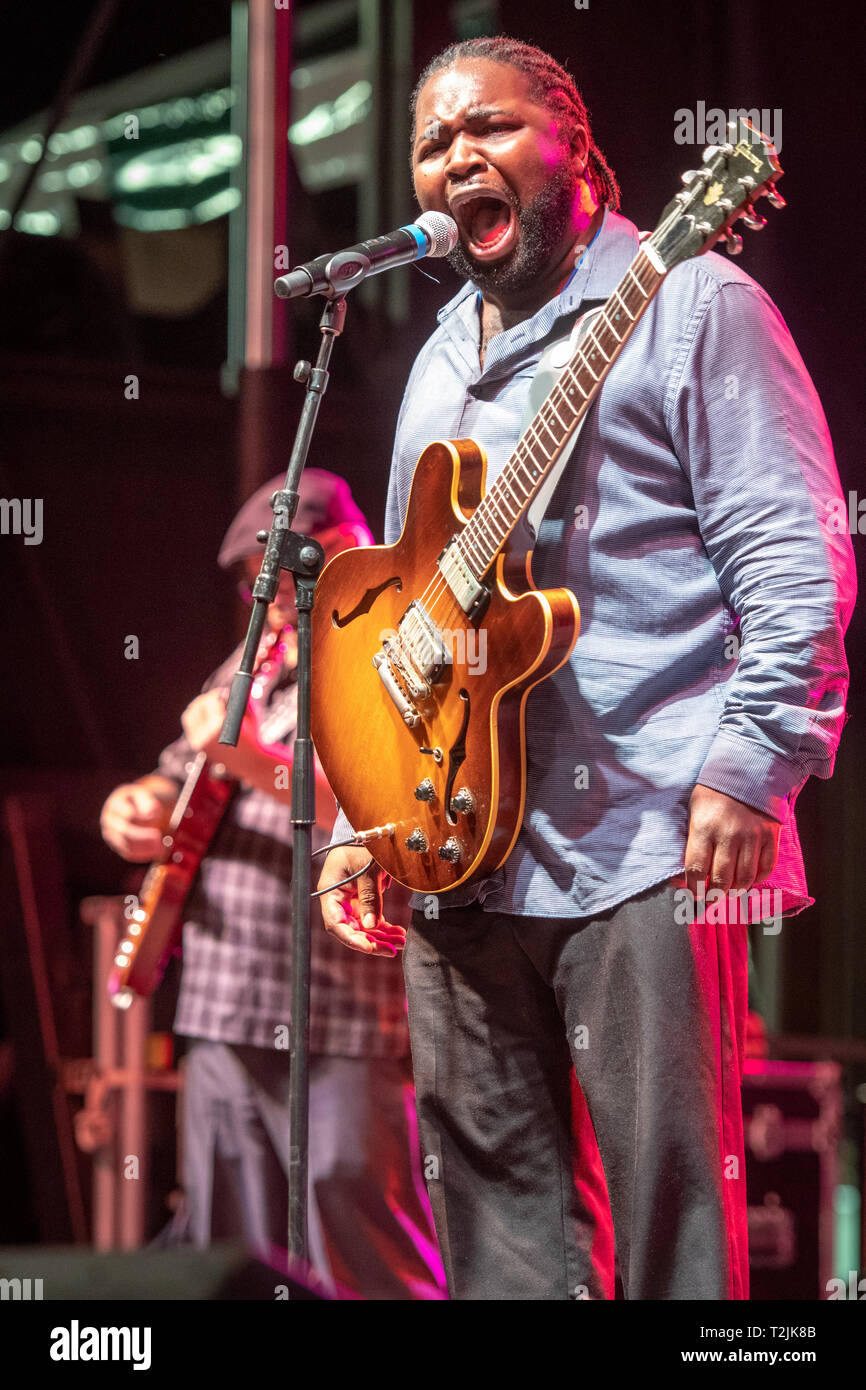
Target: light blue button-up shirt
<point>694,523</point>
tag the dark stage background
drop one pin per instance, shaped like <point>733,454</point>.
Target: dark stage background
<point>137,493</point>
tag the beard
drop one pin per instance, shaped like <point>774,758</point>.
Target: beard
<point>542,225</point>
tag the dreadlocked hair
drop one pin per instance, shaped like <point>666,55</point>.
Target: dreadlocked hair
<point>549,84</point>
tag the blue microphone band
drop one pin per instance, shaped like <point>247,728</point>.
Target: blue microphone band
<point>420,238</point>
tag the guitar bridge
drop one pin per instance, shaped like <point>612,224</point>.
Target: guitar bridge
<point>410,664</point>
<point>387,676</point>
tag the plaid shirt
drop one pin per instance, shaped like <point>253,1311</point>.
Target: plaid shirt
<point>237,938</point>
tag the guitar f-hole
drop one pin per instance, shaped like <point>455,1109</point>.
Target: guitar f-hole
<point>365,603</point>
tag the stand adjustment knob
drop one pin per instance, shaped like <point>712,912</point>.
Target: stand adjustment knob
<point>417,842</point>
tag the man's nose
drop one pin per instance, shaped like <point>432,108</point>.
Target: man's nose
<point>464,157</point>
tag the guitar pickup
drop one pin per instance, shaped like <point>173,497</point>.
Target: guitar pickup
<point>470,593</point>
<point>420,653</point>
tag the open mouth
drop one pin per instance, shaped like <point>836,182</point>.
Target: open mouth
<point>487,222</point>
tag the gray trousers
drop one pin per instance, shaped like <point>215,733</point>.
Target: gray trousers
<point>370,1228</point>
<point>530,1176</point>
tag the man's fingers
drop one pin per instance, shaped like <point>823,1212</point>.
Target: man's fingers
<point>341,924</point>
<point>746,872</point>
<point>136,844</point>
<point>699,859</point>
<point>139,835</point>
<point>380,938</point>
<point>725,857</point>
<point>141,807</point>
<point>731,845</point>
<point>767,858</point>
<point>394,937</point>
<point>711,858</point>
<point>353,912</point>
<point>359,941</point>
<point>387,930</point>
<point>369,899</point>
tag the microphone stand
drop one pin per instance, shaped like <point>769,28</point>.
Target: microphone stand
<point>303,557</point>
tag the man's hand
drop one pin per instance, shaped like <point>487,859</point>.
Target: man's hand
<point>133,821</point>
<point>202,721</point>
<point>353,913</point>
<point>730,844</point>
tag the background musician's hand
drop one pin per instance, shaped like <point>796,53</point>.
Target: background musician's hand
<point>353,913</point>
<point>133,822</point>
<point>731,846</point>
<point>249,760</point>
<point>202,720</point>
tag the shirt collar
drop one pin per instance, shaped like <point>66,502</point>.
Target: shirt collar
<point>600,270</point>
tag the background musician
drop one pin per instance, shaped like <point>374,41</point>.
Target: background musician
<point>369,1223</point>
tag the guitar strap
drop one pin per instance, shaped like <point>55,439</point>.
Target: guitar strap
<point>554,359</point>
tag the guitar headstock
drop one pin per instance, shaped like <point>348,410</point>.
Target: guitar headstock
<point>726,186</point>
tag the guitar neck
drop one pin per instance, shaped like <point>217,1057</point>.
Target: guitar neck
<point>187,790</point>
<point>178,814</point>
<point>559,416</point>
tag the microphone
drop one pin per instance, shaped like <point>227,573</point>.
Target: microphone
<point>433,234</point>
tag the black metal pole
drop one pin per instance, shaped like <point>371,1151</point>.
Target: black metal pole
<point>303,820</point>
<point>303,557</point>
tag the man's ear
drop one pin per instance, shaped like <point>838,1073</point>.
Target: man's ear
<point>578,141</point>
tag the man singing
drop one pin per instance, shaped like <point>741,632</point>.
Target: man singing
<point>707,684</point>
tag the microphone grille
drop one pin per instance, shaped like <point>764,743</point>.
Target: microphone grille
<point>442,231</point>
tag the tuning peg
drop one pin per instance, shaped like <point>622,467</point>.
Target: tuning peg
<point>775,198</point>
<point>691,175</point>
<point>712,150</point>
<point>733,243</point>
<point>754,221</point>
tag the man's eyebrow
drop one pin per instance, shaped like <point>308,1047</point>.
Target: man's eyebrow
<point>484,113</point>
<point>433,128</point>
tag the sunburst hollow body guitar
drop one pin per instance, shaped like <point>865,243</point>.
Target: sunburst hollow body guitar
<point>425,652</point>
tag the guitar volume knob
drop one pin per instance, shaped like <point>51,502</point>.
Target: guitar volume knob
<point>451,850</point>
<point>463,802</point>
<point>425,791</point>
<point>417,842</point>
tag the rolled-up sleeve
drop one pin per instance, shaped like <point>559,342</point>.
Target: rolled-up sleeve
<point>749,431</point>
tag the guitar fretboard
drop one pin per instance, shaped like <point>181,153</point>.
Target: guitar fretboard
<point>547,433</point>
